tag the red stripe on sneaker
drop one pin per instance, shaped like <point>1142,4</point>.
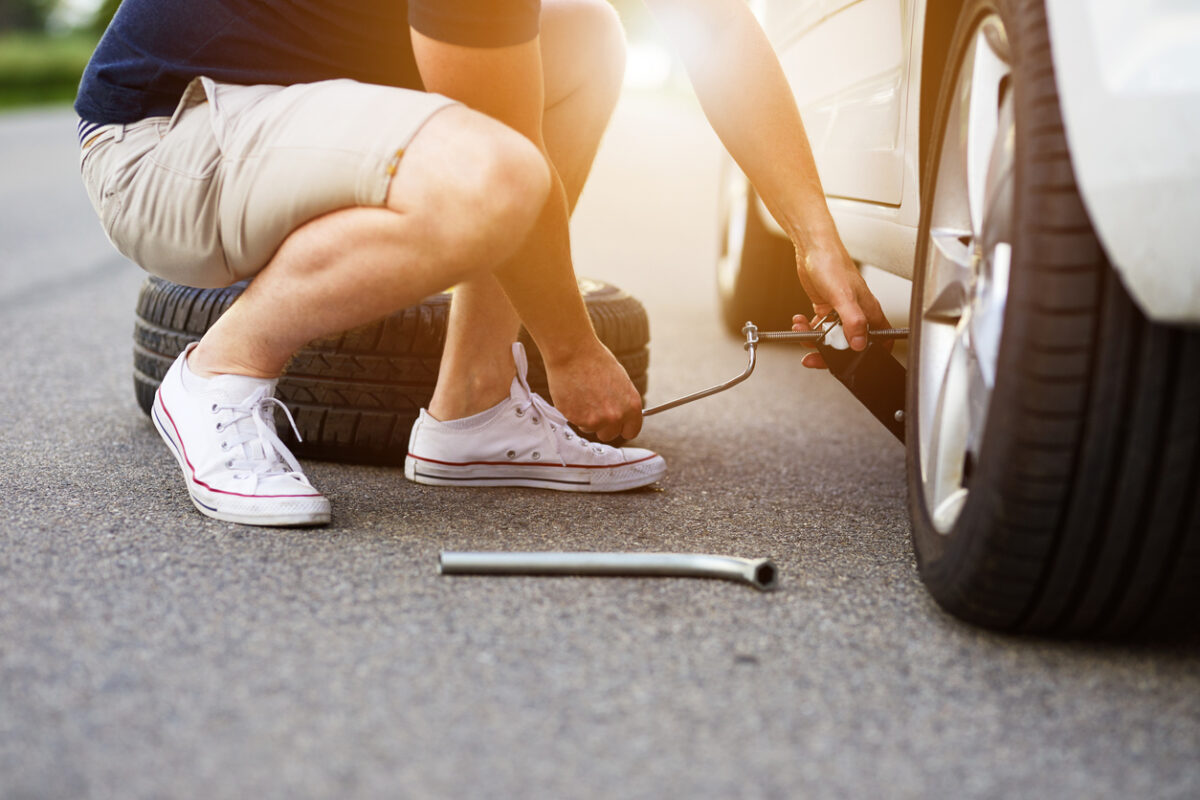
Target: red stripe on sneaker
<point>183,450</point>
<point>529,463</point>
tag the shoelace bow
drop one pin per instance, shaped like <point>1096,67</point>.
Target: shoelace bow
<point>275,459</point>
<point>534,402</point>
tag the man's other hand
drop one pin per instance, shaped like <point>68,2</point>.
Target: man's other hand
<point>593,391</point>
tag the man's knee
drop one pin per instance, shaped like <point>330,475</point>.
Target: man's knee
<point>608,38</point>
<point>583,43</point>
<point>514,181</point>
<point>477,182</point>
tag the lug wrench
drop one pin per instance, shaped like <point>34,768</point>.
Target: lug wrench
<point>757,572</point>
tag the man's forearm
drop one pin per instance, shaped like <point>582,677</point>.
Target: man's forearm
<point>747,100</point>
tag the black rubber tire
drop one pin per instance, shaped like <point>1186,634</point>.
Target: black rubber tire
<point>765,288</point>
<point>1083,512</point>
<point>355,396</point>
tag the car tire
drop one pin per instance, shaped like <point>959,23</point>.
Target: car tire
<point>756,270</point>
<point>355,395</point>
<point>1053,432</point>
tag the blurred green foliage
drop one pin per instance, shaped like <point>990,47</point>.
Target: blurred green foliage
<point>104,15</point>
<point>35,68</point>
<point>24,15</point>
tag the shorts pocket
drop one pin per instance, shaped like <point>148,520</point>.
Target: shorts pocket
<point>188,147</point>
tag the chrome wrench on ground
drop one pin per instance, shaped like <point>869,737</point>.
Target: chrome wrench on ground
<point>757,572</point>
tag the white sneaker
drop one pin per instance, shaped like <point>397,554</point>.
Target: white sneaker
<point>222,433</point>
<point>523,441</point>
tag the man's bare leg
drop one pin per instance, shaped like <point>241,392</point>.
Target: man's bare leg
<point>584,57</point>
<point>462,197</point>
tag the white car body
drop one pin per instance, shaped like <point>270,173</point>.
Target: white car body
<point>1129,84</point>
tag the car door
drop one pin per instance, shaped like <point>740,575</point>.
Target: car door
<point>847,62</point>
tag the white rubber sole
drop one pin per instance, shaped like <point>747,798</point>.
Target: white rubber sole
<point>615,478</point>
<point>311,511</point>
<point>297,520</point>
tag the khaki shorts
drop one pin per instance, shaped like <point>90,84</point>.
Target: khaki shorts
<point>205,197</point>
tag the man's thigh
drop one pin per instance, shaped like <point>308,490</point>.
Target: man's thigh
<point>209,197</point>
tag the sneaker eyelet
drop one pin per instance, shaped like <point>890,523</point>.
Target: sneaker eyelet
<point>229,464</point>
<point>534,420</point>
<point>511,454</point>
<point>214,408</point>
<point>224,445</point>
<point>520,412</point>
<point>536,456</point>
<point>220,427</point>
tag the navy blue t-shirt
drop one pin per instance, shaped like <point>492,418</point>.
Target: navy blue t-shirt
<point>154,48</point>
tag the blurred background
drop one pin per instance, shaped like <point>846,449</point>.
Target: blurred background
<point>45,44</point>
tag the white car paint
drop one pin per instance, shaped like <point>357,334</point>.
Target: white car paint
<point>849,63</point>
<point>1129,80</point>
<point>1129,86</point>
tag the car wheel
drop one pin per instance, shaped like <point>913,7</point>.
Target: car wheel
<point>1053,433</point>
<point>756,269</point>
<point>356,395</point>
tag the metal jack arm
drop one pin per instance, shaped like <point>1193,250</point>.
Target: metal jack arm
<point>874,378</point>
<point>751,332</point>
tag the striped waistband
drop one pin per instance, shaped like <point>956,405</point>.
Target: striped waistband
<point>86,129</point>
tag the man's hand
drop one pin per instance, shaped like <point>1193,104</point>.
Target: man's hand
<point>593,391</point>
<point>833,283</point>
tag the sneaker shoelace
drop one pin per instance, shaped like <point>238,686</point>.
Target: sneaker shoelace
<point>264,454</point>
<point>541,409</point>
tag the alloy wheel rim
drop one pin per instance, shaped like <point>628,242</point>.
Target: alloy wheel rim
<point>967,264</point>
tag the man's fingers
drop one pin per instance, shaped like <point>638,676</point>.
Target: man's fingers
<point>854,323</point>
<point>801,324</point>
<point>607,433</point>
<point>875,316</point>
<point>624,423</point>
<point>633,426</point>
<point>877,319</point>
<point>813,361</point>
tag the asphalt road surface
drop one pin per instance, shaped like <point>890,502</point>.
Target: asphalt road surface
<point>146,651</point>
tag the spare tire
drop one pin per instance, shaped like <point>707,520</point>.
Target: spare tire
<point>356,395</point>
